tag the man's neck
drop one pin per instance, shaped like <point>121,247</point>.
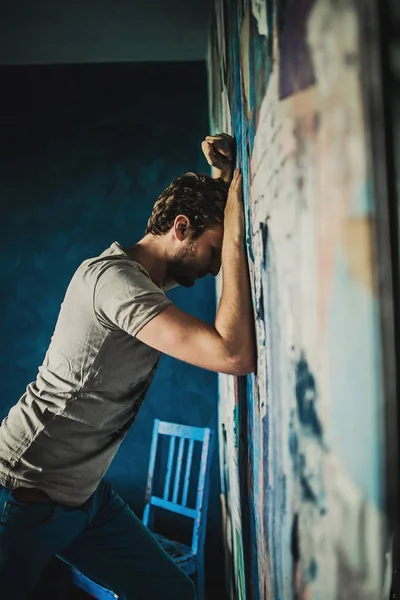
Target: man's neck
<point>151,253</point>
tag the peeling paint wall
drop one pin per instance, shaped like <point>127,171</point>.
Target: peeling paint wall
<point>302,443</point>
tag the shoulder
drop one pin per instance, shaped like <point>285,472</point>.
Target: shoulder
<point>117,268</point>
<point>126,280</point>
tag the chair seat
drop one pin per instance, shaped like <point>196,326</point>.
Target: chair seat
<point>181,553</point>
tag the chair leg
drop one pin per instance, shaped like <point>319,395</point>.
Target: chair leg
<point>200,578</point>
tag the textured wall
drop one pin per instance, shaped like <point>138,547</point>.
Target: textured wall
<point>85,152</point>
<point>301,444</point>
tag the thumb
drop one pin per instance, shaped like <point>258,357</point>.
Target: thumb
<point>209,152</point>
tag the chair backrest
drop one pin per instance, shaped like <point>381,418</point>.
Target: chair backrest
<point>170,499</point>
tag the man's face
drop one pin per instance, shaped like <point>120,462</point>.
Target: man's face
<point>197,258</point>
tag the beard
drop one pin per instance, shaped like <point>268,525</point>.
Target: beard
<point>182,267</point>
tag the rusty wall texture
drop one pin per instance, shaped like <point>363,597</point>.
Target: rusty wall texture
<point>301,443</point>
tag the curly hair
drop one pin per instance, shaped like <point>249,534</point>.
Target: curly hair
<point>198,196</point>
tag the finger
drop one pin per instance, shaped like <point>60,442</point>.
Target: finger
<point>210,143</point>
<point>213,155</point>
<point>225,152</point>
<point>217,138</point>
<point>226,141</point>
<point>224,136</point>
<point>235,179</point>
<point>222,150</point>
<point>207,148</point>
<point>209,153</point>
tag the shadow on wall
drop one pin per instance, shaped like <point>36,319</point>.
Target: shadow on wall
<point>87,151</point>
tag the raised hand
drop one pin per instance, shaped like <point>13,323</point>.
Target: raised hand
<point>219,151</point>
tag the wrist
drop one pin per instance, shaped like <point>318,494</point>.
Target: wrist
<point>225,174</point>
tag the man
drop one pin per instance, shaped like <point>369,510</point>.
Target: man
<point>58,441</point>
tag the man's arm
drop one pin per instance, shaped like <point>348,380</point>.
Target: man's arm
<point>234,320</point>
<point>229,346</point>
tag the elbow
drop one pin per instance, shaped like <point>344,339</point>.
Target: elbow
<point>245,368</point>
<point>243,364</point>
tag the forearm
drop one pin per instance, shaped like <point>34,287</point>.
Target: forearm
<point>234,321</point>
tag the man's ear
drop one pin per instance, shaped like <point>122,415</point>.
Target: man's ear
<point>181,227</point>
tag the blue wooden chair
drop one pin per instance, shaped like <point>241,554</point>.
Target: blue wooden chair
<point>189,558</point>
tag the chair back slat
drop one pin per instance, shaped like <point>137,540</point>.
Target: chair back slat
<point>171,453</point>
<point>189,458</point>
<point>178,470</point>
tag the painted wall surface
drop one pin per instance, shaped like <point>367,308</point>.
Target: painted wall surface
<point>54,31</point>
<point>85,152</point>
<point>301,444</point>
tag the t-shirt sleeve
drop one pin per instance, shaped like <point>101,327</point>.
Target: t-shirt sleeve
<point>125,298</point>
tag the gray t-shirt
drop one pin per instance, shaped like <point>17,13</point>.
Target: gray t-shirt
<point>65,430</point>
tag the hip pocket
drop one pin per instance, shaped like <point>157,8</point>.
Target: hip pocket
<point>23,514</point>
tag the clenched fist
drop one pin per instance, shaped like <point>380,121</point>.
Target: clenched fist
<point>219,150</point>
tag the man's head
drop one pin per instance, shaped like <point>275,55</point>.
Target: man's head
<point>191,213</point>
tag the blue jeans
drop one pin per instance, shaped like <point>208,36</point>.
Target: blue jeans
<point>103,539</point>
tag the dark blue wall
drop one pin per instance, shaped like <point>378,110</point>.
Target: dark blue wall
<point>87,151</point>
